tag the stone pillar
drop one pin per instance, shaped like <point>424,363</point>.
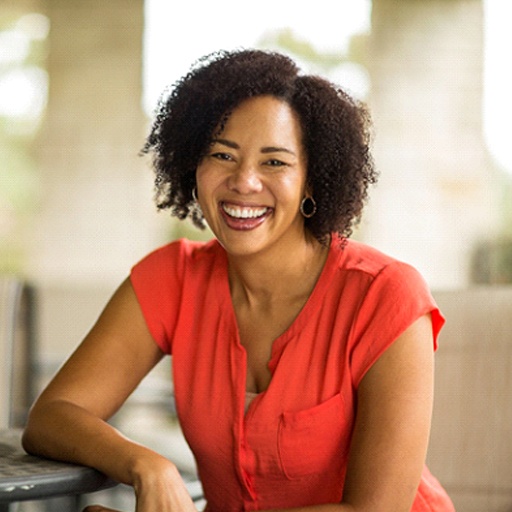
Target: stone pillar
<point>435,197</point>
<point>96,212</point>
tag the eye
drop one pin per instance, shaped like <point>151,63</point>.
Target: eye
<point>274,162</point>
<point>219,155</point>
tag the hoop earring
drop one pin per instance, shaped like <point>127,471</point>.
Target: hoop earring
<point>195,209</point>
<point>308,207</point>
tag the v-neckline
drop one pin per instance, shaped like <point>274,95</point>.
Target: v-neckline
<point>300,320</point>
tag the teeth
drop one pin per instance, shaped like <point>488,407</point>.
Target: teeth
<point>244,213</point>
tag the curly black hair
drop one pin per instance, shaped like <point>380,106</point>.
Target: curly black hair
<point>335,127</point>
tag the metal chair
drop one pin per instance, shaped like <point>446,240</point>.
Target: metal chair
<point>17,345</point>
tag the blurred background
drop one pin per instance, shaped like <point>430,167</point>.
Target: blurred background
<point>79,80</point>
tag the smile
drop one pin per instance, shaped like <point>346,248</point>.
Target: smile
<point>239,212</point>
<point>244,218</point>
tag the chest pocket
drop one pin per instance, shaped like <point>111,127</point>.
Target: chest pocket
<point>314,440</point>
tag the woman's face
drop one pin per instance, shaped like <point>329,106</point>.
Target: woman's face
<point>253,178</point>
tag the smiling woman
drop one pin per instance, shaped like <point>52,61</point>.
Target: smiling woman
<point>298,355</point>
<point>200,105</point>
<point>255,177</point>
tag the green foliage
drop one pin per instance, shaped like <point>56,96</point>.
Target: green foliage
<point>492,259</point>
<point>492,262</point>
<point>287,40</point>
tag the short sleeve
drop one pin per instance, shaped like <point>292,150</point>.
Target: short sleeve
<point>396,298</point>
<point>156,280</point>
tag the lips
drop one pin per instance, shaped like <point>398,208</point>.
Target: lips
<point>242,217</point>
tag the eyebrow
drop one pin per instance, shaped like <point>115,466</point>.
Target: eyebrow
<point>226,142</point>
<point>266,149</point>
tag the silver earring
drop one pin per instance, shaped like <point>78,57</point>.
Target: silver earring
<point>196,207</point>
<point>308,207</point>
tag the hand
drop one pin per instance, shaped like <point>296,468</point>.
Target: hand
<point>163,491</point>
<point>160,489</point>
<point>183,504</point>
<point>157,484</point>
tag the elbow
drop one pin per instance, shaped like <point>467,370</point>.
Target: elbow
<point>29,440</point>
<point>30,435</point>
<point>38,429</point>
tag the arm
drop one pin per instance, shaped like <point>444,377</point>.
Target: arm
<point>68,421</point>
<point>392,427</point>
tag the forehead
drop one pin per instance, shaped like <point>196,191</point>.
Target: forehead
<point>263,116</point>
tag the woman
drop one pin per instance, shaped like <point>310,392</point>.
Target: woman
<point>302,361</point>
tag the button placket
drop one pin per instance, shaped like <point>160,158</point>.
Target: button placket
<point>246,470</point>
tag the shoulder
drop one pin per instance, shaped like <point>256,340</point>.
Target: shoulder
<point>182,248</point>
<point>382,286</point>
<point>176,255</point>
<point>159,281</point>
<point>164,270</point>
<point>393,296</point>
<point>374,267</point>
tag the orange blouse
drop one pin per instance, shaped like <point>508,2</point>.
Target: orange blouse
<point>290,448</point>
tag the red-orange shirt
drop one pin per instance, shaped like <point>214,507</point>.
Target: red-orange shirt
<point>290,448</point>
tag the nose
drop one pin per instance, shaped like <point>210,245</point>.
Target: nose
<point>245,179</point>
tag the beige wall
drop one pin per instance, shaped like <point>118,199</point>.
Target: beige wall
<point>96,216</point>
<point>471,441</point>
<point>435,198</point>
<point>436,194</point>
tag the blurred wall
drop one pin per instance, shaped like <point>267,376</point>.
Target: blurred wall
<point>436,197</point>
<point>95,216</point>
<point>96,211</point>
<point>434,201</point>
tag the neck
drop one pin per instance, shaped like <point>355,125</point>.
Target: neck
<point>264,279</point>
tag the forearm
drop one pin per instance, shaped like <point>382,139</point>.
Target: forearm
<point>64,431</point>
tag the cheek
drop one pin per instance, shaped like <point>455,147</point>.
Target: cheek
<point>206,179</point>
<point>294,186</point>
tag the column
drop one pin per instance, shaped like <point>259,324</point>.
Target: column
<point>435,198</point>
<point>96,213</point>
